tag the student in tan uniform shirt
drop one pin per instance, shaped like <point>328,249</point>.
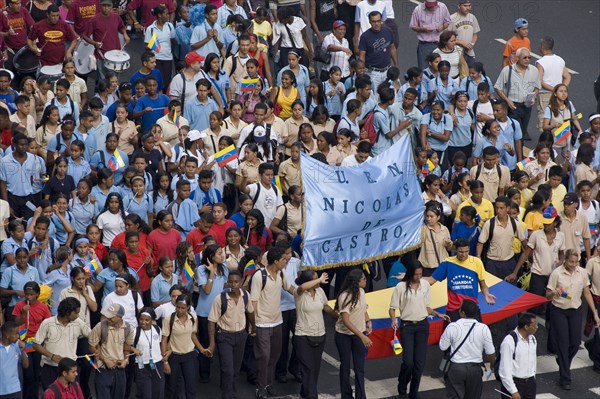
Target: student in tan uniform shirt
<point>179,339</point>
<point>111,352</point>
<point>575,226</point>
<point>228,330</point>
<point>495,177</point>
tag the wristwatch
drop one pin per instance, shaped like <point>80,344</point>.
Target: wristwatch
<point>210,280</point>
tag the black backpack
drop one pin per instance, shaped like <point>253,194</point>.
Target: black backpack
<point>56,391</point>
<point>513,334</point>
<point>224,300</point>
<point>258,193</point>
<point>138,332</point>
<point>486,245</point>
<point>263,272</point>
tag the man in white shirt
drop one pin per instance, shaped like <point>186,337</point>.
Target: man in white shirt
<point>363,151</point>
<point>266,197</point>
<point>552,71</point>
<point>518,359</point>
<point>467,339</point>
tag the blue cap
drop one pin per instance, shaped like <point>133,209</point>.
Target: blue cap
<point>520,22</point>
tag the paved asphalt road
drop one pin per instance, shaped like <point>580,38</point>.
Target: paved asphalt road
<point>574,26</point>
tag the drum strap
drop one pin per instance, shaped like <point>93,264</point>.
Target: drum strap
<point>183,91</point>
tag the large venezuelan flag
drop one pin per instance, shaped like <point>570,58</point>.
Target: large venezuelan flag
<point>510,300</point>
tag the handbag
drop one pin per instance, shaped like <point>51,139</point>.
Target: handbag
<point>277,108</point>
<point>321,55</point>
<point>446,363</point>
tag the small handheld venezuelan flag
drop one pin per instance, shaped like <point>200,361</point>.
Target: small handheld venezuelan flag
<point>153,44</point>
<point>226,155</point>
<point>249,268</point>
<point>525,161</point>
<point>248,84</point>
<point>187,273</point>
<point>92,363</point>
<point>262,39</point>
<point>563,132</point>
<point>175,118</point>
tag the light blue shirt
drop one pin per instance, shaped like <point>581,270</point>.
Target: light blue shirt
<point>421,89</point>
<point>511,136</point>
<point>90,144</point>
<point>99,163</point>
<point>82,214</point>
<point>221,84</point>
<point>141,208</point>
<point>44,258</point>
<point>55,141</point>
<point>291,273</point>
<point>366,107</point>
<point>107,278</point>
<point>198,114</point>
<point>472,86</point>
<point>61,234</point>
<point>19,177</point>
<point>38,185</point>
<point>302,80</point>
<point>16,280</point>
<point>334,103</point>
<point>10,246</point>
<point>461,134</point>
<point>159,289</point>
<point>381,123</point>
<point>70,107</point>
<point>187,215</point>
<point>99,134</point>
<point>224,12</point>
<point>58,281</point>
<point>437,127</point>
<point>101,197</point>
<point>444,92</point>
<point>78,170</point>
<point>161,202</point>
<point>164,37</point>
<point>485,142</point>
<point>200,32</point>
<point>10,359</point>
<point>205,301</point>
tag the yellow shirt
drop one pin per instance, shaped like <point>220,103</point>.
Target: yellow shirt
<point>558,194</point>
<point>485,210</point>
<point>534,220</point>
<point>526,195</point>
<point>263,29</point>
<point>286,101</point>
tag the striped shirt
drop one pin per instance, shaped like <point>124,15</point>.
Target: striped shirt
<point>520,84</point>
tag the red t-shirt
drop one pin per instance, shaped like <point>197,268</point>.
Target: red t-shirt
<point>51,39</point>
<point>164,244</point>
<point>38,312</point>
<point>119,241</point>
<point>219,231</point>
<point>106,29</point>
<point>136,262</point>
<point>80,13</point>
<point>100,251</point>
<point>20,23</point>
<point>195,238</point>
<point>147,6</point>
<point>73,391</point>
<point>265,241</point>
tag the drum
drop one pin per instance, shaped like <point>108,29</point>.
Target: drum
<point>83,57</point>
<point>116,60</point>
<point>26,61</point>
<point>12,75</point>
<point>54,72</point>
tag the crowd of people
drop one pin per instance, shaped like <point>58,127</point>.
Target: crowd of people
<point>155,222</point>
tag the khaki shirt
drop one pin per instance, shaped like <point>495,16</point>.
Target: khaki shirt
<point>545,256</point>
<point>234,318</point>
<point>493,185</point>
<point>113,347</point>
<point>60,339</point>
<point>575,230</point>
<point>572,283</point>
<point>309,313</point>
<point>294,217</point>
<point>268,311</point>
<point>170,129</point>
<point>181,341</point>
<point>234,131</point>
<point>29,124</point>
<point>501,246</point>
<point>290,175</point>
<point>356,313</point>
<point>252,169</point>
<point>427,256</point>
<point>593,269</point>
<point>84,312</point>
<point>585,172</point>
<point>412,304</point>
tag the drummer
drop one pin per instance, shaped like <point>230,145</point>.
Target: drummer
<point>48,37</point>
<point>16,26</point>
<point>103,33</point>
<point>80,13</point>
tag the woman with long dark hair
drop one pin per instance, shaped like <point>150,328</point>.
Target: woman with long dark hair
<point>351,333</point>
<point>217,76</point>
<point>412,298</point>
<point>255,232</point>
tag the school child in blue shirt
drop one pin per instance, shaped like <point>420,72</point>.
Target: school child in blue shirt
<point>12,358</point>
<point>468,228</point>
<point>184,210</point>
<point>139,202</point>
<point>206,195</point>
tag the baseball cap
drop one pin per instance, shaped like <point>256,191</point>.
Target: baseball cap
<point>193,56</point>
<point>464,1</point>
<point>260,134</point>
<point>570,198</point>
<point>431,3</point>
<point>520,22</point>
<point>113,310</point>
<point>194,135</point>
<point>549,214</point>
<point>338,23</point>
<point>106,2</point>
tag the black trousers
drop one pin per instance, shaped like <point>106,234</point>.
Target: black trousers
<point>351,350</point>
<point>288,326</point>
<point>204,362</point>
<point>522,114</point>
<point>537,285</point>
<point>464,381</point>
<point>500,268</point>
<point>31,376</point>
<point>267,348</point>
<point>48,375</point>
<point>527,388</point>
<point>183,366</point>
<point>309,361</point>
<point>150,384</point>
<point>414,343</point>
<point>17,204</point>
<point>231,352</point>
<point>166,71</point>
<point>110,383</point>
<point>566,337</point>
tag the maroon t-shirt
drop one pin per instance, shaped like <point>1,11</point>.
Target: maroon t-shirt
<point>219,231</point>
<point>80,13</point>
<point>108,28</point>
<point>147,6</point>
<point>51,39</point>
<point>20,22</point>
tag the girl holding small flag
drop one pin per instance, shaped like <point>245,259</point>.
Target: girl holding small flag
<point>112,158</point>
<point>538,168</point>
<point>29,314</point>
<point>140,202</point>
<point>250,95</point>
<point>255,232</point>
<point>86,259</point>
<point>559,111</point>
<point>185,264</point>
<point>224,173</point>
<point>158,38</point>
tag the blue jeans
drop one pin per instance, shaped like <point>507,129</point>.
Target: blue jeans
<point>423,50</point>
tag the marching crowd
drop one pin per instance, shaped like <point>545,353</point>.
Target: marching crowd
<point>157,223</point>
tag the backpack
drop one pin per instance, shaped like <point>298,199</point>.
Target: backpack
<point>337,124</point>
<point>486,245</point>
<point>369,128</point>
<point>104,330</point>
<point>263,272</point>
<point>224,300</point>
<point>513,334</point>
<point>479,168</point>
<point>138,332</point>
<point>172,322</point>
<point>283,223</point>
<point>50,244</point>
<point>54,388</point>
<point>71,103</point>
<point>258,192</point>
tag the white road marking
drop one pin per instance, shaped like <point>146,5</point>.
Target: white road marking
<point>415,2</point>
<point>595,390</point>
<point>536,56</point>
<point>546,396</point>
